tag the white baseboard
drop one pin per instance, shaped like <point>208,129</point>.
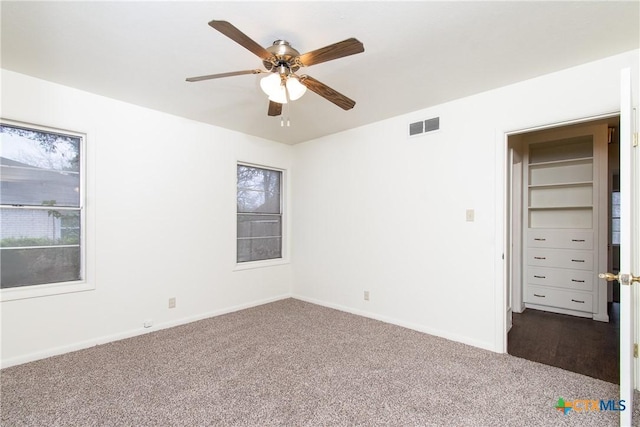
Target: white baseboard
<point>398,322</point>
<point>31,357</point>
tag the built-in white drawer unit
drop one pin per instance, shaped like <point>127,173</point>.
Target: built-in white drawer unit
<point>560,239</point>
<point>542,257</point>
<point>578,301</point>
<point>564,204</point>
<point>580,280</point>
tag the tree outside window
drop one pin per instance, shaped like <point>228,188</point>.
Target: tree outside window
<point>259,210</point>
<point>40,206</point>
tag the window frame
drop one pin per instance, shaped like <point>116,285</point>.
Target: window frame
<point>284,253</point>
<point>85,283</point>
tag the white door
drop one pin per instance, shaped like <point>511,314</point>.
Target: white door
<point>628,247</point>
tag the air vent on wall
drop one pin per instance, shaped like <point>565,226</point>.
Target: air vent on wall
<point>424,126</point>
<point>416,128</point>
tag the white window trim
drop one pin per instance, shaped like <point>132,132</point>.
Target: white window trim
<point>37,291</point>
<point>284,191</point>
<point>249,265</point>
<point>87,283</point>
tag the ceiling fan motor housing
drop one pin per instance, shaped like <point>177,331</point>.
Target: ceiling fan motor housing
<point>283,56</point>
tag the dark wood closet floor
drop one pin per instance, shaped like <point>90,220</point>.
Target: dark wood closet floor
<point>572,343</point>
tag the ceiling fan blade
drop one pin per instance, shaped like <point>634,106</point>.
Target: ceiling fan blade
<point>217,76</point>
<point>242,39</point>
<point>326,92</point>
<point>275,109</point>
<point>334,51</point>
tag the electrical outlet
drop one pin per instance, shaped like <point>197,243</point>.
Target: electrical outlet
<point>366,295</point>
<point>172,302</point>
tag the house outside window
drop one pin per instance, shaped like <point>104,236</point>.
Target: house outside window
<point>259,214</point>
<point>41,206</point>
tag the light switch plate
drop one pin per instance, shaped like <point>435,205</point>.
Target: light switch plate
<point>470,215</point>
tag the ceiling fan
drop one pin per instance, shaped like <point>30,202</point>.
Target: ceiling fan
<point>283,61</point>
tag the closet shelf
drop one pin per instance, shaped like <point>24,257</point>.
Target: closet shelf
<point>562,184</point>
<point>569,207</point>
<point>562,162</point>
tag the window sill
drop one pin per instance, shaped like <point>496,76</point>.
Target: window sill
<point>260,264</point>
<point>37,291</point>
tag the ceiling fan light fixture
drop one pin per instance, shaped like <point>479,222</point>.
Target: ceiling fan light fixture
<point>271,85</point>
<point>295,88</point>
<point>279,96</point>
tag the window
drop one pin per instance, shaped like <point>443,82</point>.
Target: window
<point>259,228</point>
<point>41,206</point>
<point>615,218</point>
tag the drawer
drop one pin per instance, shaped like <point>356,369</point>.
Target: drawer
<point>578,301</point>
<point>580,280</point>
<point>561,239</point>
<point>560,258</point>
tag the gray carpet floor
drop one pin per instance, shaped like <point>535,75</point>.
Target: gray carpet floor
<point>291,363</point>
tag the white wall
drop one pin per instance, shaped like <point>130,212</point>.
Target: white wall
<point>372,210</point>
<point>378,211</point>
<point>161,206</point>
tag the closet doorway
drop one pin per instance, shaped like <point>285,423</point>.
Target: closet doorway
<point>563,183</point>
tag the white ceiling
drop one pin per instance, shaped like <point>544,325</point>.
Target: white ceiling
<point>417,54</point>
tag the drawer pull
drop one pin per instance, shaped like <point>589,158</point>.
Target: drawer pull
<point>577,240</point>
<point>539,277</point>
<point>539,296</point>
<point>577,260</point>
<point>539,257</point>
<point>575,300</point>
<point>577,281</point>
<point>537,239</point>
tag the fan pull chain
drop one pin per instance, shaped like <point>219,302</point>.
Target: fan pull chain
<point>282,122</point>
<point>288,110</point>
<point>287,106</point>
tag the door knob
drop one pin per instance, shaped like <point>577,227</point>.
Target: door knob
<point>624,279</point>
<point>609,277</point>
